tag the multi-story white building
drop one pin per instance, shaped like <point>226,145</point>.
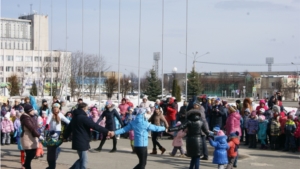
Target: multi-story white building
<point>24,52</point>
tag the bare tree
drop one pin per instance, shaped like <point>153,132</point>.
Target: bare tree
<point>125,85</point>
<point>111,85</point>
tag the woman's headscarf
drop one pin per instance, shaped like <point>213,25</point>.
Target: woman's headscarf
<point>56,116</point>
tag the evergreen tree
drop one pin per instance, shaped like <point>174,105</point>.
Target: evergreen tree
<point>174,87</point>
<point>13,85</point>
<point>153,89</point>
<point>178,94</point>
<point>176,91</point>
<point>33,90</point>
<point>194,85</point>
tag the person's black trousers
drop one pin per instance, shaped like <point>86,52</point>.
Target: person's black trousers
<point>252,140</point>
<point>30,154</point>
<point>142,153</point>
<point>154,140</point>
<point>104,139</point>
<point>204,146</point>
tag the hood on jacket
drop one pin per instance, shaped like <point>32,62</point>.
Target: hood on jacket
<point>140,115</point>
<point>262,101</point>
<point>236,140</point>
<point>171,100</point>
<point>194,115</point>
<point>221,139</point>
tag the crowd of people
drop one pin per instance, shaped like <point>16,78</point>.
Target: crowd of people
<point>224,125</point>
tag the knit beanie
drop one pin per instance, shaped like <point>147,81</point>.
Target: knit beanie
<point>216,128</point>
<point>108,102</point>
<point>234,134</point>
<point>253,113</point>
<point>197,103</point>
<point>28,108</point>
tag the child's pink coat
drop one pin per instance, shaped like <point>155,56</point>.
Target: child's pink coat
<point>177,141</point>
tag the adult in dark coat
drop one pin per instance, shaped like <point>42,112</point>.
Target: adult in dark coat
<point>109,113</point>
<point>195,127</point>
<point>201,110</point>
<point>217,115</point>
<point>182,112</point>
<point>80,126</point>
<point>191,103</point>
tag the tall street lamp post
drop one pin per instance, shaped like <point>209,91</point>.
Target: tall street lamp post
<point>297,81</point>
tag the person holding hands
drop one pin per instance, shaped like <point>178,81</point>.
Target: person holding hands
<point>140,126</point>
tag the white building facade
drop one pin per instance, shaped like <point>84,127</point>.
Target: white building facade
<point>24,52</point>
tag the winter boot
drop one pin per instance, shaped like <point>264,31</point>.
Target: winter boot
<point>162,150</point>
<point>153,151</point>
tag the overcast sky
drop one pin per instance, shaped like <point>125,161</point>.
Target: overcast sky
<point>232,31</point>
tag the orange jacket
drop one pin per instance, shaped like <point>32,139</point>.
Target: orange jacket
<point>232,145</point>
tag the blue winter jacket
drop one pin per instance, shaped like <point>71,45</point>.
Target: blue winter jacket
<point>221,146</point>
<point>140,126</point>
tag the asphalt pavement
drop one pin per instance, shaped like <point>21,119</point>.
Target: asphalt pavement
<point>123,159</point>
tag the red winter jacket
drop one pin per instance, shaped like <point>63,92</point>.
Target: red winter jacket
<point>297,132</point>
<point>171,110</point>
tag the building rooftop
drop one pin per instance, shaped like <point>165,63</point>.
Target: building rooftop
<point>17,20</point>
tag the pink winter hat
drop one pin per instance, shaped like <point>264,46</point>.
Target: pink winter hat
<point>253,113</point>
<point>220,133</point>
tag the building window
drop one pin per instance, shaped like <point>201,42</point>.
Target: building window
<point>47,59</point>
<point>55,69</point>
<point>1,79</point>
<point>28,58</point>
<point>37,69</point>
<point>28,69</point>
<point>1,58</point>
<point>1,68</point>
<point>37,58</point>
<point>18,45</point>
<point>19,69</point>
<point>19,58</point>
<point>47,69</point>
<point>56,59</point>
<point>9,58</point>
<point>9,68</point>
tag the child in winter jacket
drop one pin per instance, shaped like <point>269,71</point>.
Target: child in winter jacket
<point>52,143</point>
<point>140,126</point>
<point>262,131</point>
<point>148,115</point>
<point>220,144</point>
<point>297,136</point>
<point>177,141</point>
<point>128,119</point>
<point>246,118</point>
<point>290,128</point>
<point>6,127</point>
<point>41,128</point>
<point>275,131</point>
<point>232,152</point>
<point>95,117</point>
<point>17,136</point>
<point>252,128</point>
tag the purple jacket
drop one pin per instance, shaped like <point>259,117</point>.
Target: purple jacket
<point>252,126</point>
<point>17,124</point>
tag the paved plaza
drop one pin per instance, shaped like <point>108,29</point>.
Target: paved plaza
<point>123,159</point>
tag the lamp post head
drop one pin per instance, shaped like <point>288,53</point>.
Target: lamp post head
<point>174,69</point>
